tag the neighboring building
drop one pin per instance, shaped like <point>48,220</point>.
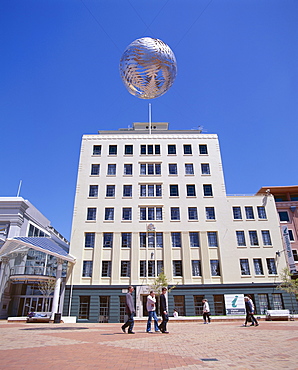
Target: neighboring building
<point>31,251</point>
<point>286,201</point>
<point>148,199</point>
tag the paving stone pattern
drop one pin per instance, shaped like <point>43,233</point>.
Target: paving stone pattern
<point>189,345</point>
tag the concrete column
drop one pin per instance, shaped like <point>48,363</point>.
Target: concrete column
<point>57,288</point>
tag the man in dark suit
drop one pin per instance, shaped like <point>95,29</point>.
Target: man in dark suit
<point>164,312</point>
<point>130,311</point>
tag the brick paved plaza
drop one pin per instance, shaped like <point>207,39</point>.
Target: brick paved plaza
<point>190,345</point>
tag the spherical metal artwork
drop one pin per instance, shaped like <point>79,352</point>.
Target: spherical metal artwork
<point>148,68</point>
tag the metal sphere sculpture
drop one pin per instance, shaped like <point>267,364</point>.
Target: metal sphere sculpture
<point>148,68</point>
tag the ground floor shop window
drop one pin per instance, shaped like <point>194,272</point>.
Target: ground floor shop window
<point>179,304</point>
<point>219,305</point>
<point>197,300</point>
<point>277,301</point>
<point>263,303</point>
<point>122,307</point>
<point>104,308</point>
<point>84,307</point>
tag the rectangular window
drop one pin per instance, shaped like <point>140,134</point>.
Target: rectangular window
<point>210,213</point>
<point>150,169</point>
<point>214,265</point>
<point>177,268</point>
<point>207,189</point>
<point>106,268</point>
<point>258,266</point>
<point>192,213</point>
<point>150,213</point>
<point>175,213</point>
<point>237,213</point>
<point>263,303</point>
<point>179,304</point>
<point>159,267</point>
<point>266,237</point>
<point>261,212</point>
<point>203,149</point>
<point>150,190</point>
<point>104,309</point>
<point>143,271</point>
<point>153,238</point>
<point>128,150</point>
<point>127,169</point>
<point>84,308</point>
<point>151,268</point>
<point>240,238</point>
<point>173,169</point>
<point>112,149</point>
<point>95,168</point>
<point>196,268</point>
<point>284,216</point>
<point>89,240</point>
<point>111,169</point>
<point>277,301</point>
<point>244,266</point>
<point>194,240</point>
<point>198,305</point>
<point>249,212</point>
<point>191,190</point>
<point>253,237</point>
<point>271,266</point>
<point>126,240</point>
<point>126,214</point>
<point>291,235</point>
<point>96,149</point>
<point>91,214</point>
<point>205,168</point>
<point>150,149</point>
<point>176,240</point>
<point>109,214</point>
<point>212,239</point>
<point>174,191</point>
<point>93,191</point>
<point>295,255</point>
<point>110,191</point>
<point>87,268</point>
<point>171,149</point>
<point>127,190</point>
<point>125,269</point>
<point>108,240</point>
<point>187,149</point>
<point>189,169</point>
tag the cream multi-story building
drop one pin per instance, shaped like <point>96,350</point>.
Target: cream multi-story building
<point>150,199</point>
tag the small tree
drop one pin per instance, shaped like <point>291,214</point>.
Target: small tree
<point>47,287</point>
<point>159,282</point>
<point>287,283</point>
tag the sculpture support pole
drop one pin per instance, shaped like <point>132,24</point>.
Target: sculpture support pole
<point>149,118</point>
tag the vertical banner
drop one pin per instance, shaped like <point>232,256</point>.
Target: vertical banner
<point>288,249</point>
<point>235,304</point>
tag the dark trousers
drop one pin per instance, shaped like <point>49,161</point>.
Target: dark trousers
<point>250,317</point>
<point>206,316</point>
<point>163,324</point>
<point>130,322</point>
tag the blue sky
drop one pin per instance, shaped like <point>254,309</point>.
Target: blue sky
<point>237,77</point>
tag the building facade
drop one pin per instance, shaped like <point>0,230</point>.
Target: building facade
<point>32,252</point>
<point>286,201</point>
<point>149,199</point>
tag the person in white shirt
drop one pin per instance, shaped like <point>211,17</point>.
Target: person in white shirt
<point>206,311</point>
<point>151,308</point>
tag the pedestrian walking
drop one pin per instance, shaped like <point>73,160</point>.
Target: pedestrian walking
<point>151,308</point>
<point>206,311</point>
<point>250,312</point>
<point>164,312</point>
<point>130,311</point>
